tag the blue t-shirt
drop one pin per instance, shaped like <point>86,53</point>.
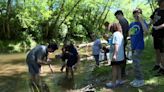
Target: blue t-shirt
<point>137,36</point>
<point>110,41</point>
<point>111,49</point>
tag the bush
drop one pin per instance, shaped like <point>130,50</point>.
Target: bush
<point>16,46</point>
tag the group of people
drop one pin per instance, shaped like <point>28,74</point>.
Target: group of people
<point>134,31</point>
<point>38,56</point>
<point>117,43</point>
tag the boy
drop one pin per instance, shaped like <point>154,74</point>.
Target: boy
<point>125,27</point>
<point>96,49</point>
<point>136,31</point>
<point>157,19</point>
<point>36,57</point>
<point>108,48</point>
<point>72,57</point>
<point>107,26</point>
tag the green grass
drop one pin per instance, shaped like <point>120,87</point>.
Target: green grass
<point>152,83</point>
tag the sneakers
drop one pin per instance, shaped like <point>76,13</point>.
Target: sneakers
<point>118,83</point>
<point>111,85</point>
<point>132,82</point>
<point>137,83</point>
<point>160,72</point>
<point>156,67</point>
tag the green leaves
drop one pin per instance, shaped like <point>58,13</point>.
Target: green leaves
<point>44,19</point>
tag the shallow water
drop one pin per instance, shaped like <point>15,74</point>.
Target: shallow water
<point>14,77</point>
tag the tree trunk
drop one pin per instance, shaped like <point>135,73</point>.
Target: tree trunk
<point>51,4</point>
<point>61,10</point>
<point>8,19</point>
<point>97,23</point>
<point>4,31</point>
<point>3,26</point>
<point>89,33</point>
<point>69,12</point>
<point>47,29</point>
<point>101,24</point>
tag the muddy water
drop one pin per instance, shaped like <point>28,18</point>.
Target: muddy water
<point>14,77</point>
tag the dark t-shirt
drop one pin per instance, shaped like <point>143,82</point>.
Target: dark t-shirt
<point>125,27</point>
<point>72,53</point>
<point>158,19</point>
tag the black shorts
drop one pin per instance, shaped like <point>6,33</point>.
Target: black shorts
<point>71,61</point>
<point>159,44</point>
<point>117,62</point>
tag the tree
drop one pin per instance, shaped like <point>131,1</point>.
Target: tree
<point>45,20</point>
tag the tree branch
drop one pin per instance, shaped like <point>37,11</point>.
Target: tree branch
<point>69,12</point>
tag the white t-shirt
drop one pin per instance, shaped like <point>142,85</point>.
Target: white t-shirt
<point>119,40</point>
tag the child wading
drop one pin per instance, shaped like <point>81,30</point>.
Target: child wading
<point>35,58</point>
<point>71,55</point>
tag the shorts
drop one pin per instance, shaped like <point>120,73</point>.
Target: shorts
<point>71,61</point>
<point>159,44</point>
<point>106,50</point>
<point>117,62</point>
<point>34,68</point>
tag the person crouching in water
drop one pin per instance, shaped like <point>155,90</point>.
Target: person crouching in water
<point>71,55</point>
<point>118,55</point>
<point>37,57</point>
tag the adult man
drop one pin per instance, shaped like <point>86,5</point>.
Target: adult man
<point>157,19</point>
<point>125,27</point>
<point>37,57</point>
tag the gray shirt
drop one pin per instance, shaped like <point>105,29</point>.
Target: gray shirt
<point>39,52</point>
<point>96,48</point>
<point>125,27</point>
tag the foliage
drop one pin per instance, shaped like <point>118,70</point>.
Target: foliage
<point>61,20</point>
